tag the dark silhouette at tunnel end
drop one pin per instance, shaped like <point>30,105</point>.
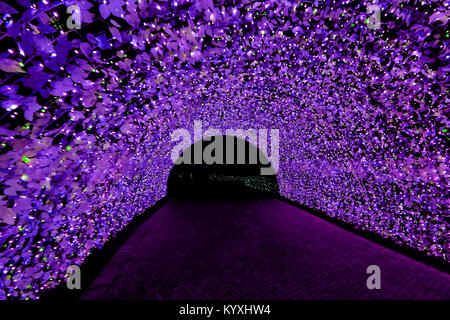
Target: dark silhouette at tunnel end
<point>241,177</point>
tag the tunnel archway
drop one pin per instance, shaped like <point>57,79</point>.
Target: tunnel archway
<point>227,167</point>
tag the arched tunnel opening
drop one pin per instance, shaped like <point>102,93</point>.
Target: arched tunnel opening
<point>233,168</point>
<point>92,91</point>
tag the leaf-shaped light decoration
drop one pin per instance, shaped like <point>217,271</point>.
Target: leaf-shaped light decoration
<point>46,29</point>
<point>103,42</point>
<point>61,86</point>
<point>116,33</point>
<point>85,15</point>
<point>14,29</point>
<point>11,104</point>
<point>439,16</point>
<point>9,90</point>
<point>86,48</point>
<point>133,19</point>
<point>37,79</point>
<point>6,8</point>
<point>116,8</point>
<point>14,187</point>
<point>30,107</point>
<point>6,132</point>
<point>104,10</point>
<point>43,44</point>
<point>22,204</point>
<point>9,65</point>
<point>7,215</point>
<point>77,74</point>
<point>115,23</point>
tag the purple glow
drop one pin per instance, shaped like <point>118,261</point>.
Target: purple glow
<point>86,116</point>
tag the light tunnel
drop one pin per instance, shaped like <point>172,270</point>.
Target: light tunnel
<point>90,96</point>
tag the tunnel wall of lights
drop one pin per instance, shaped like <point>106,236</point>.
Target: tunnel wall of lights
<point>90,94</point>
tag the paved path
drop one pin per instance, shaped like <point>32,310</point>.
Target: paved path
<point>256,249</point>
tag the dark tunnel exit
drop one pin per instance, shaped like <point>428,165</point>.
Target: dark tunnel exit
<point>222,167</point>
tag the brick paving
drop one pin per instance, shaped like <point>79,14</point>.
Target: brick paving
<point>256,249</point>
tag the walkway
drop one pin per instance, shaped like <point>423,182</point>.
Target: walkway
<point>256,249</point>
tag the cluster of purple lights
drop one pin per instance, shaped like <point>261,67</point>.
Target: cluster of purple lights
<point>86,115</point>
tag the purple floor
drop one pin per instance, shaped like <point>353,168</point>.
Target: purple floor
<point>256,249</point>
